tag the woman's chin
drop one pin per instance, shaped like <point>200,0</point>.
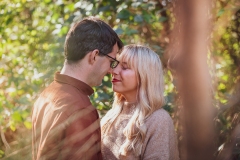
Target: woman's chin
<point>116,90</point>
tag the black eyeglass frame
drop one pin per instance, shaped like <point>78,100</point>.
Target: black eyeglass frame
<point>112,65</point>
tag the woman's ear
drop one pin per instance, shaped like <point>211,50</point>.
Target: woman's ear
<point>92,56</point>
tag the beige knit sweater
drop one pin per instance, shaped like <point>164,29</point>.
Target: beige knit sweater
<point>160,142</point>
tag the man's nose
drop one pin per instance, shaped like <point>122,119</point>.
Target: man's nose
<point>116,70</point>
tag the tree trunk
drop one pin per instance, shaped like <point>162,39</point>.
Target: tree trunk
<point>188,59</point>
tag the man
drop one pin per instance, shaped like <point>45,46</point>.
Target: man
<point>65,125</point>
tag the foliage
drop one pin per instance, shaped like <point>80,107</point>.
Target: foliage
<point>227,57</point>
<point>32,38</point>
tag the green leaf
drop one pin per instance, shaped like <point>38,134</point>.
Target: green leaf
<point>119,31</point>
<point>162,19</point>
<point>123,14</point>
<point>9,20</point>
<point>71,7</point>
<point>64,30</point>
<point>138,18</point>
<point>12,127</point>
<point>147,17</point>
<point>27,124</point>
<point>47,1</point>
<point>131,31</point>
<point>1,153</point>
<point>16,116</point>
<point>105,8</point>
<point>220,12</point>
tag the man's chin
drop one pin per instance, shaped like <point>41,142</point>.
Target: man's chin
<point>98,84</point>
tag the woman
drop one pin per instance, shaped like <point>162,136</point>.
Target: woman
<point>137,127</point>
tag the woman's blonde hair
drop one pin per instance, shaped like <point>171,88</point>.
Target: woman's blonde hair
<point>150,96</point>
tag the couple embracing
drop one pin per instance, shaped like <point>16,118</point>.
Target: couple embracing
<point>65,125</point>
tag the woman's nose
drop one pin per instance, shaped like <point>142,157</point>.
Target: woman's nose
<point>116,70</point>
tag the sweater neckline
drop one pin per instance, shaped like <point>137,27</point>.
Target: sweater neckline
<point>128,107</point>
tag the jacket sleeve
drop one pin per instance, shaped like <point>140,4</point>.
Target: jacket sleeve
<point>160,142</point>
<point>82,135</point>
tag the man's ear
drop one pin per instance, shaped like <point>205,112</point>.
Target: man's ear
<point>92,56</point>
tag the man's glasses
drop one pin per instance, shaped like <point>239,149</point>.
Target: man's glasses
<point>113,63</point>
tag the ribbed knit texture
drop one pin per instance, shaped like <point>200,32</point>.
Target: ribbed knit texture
<point>160,142</point>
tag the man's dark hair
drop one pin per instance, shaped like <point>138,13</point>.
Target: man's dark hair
<point>89,34</point>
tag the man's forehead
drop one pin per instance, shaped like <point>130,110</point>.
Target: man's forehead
<point>116,48</point>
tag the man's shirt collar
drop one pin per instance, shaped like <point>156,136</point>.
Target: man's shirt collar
<point>62,78</point>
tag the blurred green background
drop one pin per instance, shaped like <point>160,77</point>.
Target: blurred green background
<point>32,34</point>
